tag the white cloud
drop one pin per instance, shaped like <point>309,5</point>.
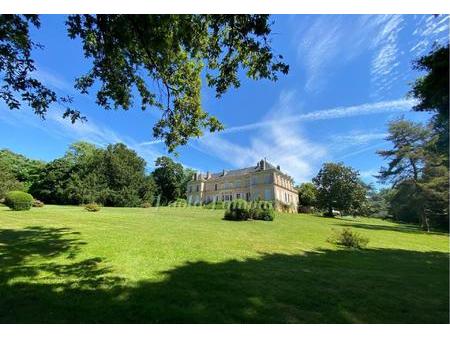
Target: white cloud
<point>430,29</point>
<point>282,146</point>
<point>356,138</point>
<point>53,80</point>
<point>326,43</point>
<point>361,151</point>
<point>382,107</point>
<point>384,66</point>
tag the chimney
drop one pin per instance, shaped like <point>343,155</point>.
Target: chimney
<point>278,167</point>
<point>262,165</point>
<point>224,172</point>
<point>208,175</point>
<point>194,177</point>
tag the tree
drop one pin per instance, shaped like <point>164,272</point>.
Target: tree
<point>187,177</point>
<point>52,181</point>
<point>8,181</point>
<point>416,173</point>
<point>159,58</point>
<point>149,191</point>
<point>168,177</point>
<point>339,187</point>
<point>124,173</point>
<point>379,202</point>
<point>432,91</point>
<point>23,169</point>
<point>307,194</point>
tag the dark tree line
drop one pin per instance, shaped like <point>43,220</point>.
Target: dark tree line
<point>111,176</point>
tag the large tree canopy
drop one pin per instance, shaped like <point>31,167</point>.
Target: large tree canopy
<point>160,58</point>
<point>432,91</point>
<point>339,187</point>
<point>419,178</point>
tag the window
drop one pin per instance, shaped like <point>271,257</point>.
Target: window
<point>190,188</point>
<point>197,188</point>
<point>267,194</point>
<point>215,187</point>
<point>247,196</point>
<point>238,195</point>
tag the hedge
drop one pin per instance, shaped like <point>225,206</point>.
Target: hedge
<point>18,200</point>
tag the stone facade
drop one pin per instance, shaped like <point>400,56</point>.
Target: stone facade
<point>261,182</point>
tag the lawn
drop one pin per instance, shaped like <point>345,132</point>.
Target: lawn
<point>177,265</point>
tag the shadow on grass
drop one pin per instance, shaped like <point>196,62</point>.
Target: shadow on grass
<point>390,286</point>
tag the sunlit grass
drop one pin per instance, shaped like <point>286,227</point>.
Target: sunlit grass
<point>64,264</point>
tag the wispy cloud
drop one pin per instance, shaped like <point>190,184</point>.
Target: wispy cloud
<point>89,131</point>
<point>361,151</point>
<point>326,43</point>
<point>382,107</point>
<point>384,67</point>
<point>285,146</point>
<point>357,138</point>
<point>53,80</point>
<point>430,29</point>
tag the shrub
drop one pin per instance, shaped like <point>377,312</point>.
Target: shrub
<point>262,210</point>
<point>237,211</point>
<point>219,205</point>
<point>283,207</point>
<point>179,202</point>
<point>92,207</point>
<point>38,204</point>
<point>262,214</point>
<point>262,205</point>
<point>349,239</point>
<point>18,200</point>
<point>146,205</point>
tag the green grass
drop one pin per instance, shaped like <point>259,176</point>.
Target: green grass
<point>166,265</point>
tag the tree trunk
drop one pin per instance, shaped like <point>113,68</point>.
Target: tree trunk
<point>425,223</point>
<point>330,212</point>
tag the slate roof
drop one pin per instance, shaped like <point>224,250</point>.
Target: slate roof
<point>243,171</point>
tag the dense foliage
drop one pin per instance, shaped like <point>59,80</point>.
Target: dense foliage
<point>160,59</point>
<point>237,211</point>
<point>418,175</point>
<point>18,200</point>
<point>169,179</point>
<point>432,92</point>
<point>111,176</point>
<point>241,210</point>
<point>339,188</point>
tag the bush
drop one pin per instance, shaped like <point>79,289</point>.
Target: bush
<point>18,200</point>
<point>219,205</point>
<point>146,205</point>
<point>38,204</point>
<point>237,211</point>
<point>262,214</point>
<point>349,239</point>
<point>179,202</point>
<point>262,205</point>
<point>283,207</point>
<point>92,207</point>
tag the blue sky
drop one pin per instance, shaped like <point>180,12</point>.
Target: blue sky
<point>349,76</point>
